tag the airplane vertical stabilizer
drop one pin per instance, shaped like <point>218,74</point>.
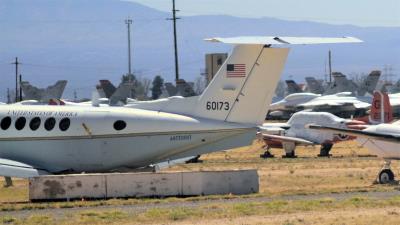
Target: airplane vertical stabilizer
<point>381,111</point>
<point>244,85</point>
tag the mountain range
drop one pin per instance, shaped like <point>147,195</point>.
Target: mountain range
<point>83,41</point>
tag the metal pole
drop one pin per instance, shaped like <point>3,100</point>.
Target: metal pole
<point>128,22</point>
<point>16,78</point>
<point>174,18</point>
<point>20,88</point>
<point>330,67</point>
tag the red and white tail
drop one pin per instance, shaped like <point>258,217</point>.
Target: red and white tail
<point>381,111</point>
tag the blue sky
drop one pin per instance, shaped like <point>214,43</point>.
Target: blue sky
<point>355,12</point>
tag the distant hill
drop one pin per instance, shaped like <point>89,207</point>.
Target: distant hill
<point>84,41</point>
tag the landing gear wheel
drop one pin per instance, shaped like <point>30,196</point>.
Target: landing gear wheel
<point>289,148</point>
<point>325,149</point>
<point>386,176</point>
<point>267,154</point>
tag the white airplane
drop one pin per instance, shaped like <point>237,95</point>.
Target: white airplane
<point>342,104</point>
<point>382,139</point>
<point>294,132</point>
<point>289,105</point>
<point>38,140</point>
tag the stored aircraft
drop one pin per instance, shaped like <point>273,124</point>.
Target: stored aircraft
<point>39,140</point>
<point>43,94</point>
<point>295,133</point>
<point>381,139</point>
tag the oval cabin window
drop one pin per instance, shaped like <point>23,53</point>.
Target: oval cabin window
<point>49,124</point>
<point>5,123</point>
<point>35,123</point>
<point>20,123</point>
<point>119,125</point>
<point>64,124</point>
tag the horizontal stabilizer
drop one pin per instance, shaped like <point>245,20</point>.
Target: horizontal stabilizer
<point>10,168</point>
<point>269,40</point>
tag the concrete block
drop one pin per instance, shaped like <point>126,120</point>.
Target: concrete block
<point>118,185</point>
<point>67,187</point>
<point>143,184</point>
<point>220,182</point>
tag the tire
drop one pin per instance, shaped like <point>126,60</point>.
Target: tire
<point>386,176</point>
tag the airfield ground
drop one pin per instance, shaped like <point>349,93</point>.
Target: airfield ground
<point>305,190</point>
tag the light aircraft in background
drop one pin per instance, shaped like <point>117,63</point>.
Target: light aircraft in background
<point>382,139</point>
<point>41,139</point>
<point>294,132</point>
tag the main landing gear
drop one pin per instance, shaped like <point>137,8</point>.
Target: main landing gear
<point>386,174</point>
<point>267,154</point>
<point>325,149</point>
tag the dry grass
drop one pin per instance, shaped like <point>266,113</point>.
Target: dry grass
<point>350,169</point>
<point>322,211</point>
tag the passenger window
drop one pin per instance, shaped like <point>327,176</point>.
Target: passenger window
<point>5,123</point>
<point>64,124</point>
<point>119,125</point>
<point>20,123</point>
<point>35,123</point>
<point>49,124</point>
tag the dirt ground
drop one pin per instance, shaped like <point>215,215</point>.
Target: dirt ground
<point>350,171</point>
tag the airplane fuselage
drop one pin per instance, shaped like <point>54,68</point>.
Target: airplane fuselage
<point>94,139</point>
<point>381,148</point>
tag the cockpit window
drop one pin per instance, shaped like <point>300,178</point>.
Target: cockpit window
<point>64,124</point>
<point>35,123</point>
<point>5,123</point>
<point>119,125</point>
<point>49,124</point>
<point>20,123</point>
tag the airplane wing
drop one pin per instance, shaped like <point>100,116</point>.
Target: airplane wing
<point>297,141</point>
<point>361,105</point>
<point>265,40</point>
<point>360,133</point>
<point>320,103</point>
<point>10,168</point>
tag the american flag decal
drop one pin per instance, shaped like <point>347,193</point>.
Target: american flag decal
<point>236,70</point>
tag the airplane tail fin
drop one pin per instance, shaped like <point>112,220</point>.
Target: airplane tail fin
<point>124,91</point>
<point>30,92</point>
<point>292,87</point>
<point>56,90</point>
<point>243,88</point>
<point>244,85</point>
<point>370,83</point>
<point>107,87</point>
<point>381,110</point>
<point>314,86</point>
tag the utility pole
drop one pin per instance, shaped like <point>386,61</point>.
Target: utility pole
<point>174,18</point>
<point>330,66</point>
<point>20,88</point>
<point>128,22</point>
<point>16,78</point>
<point>8,96</point>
